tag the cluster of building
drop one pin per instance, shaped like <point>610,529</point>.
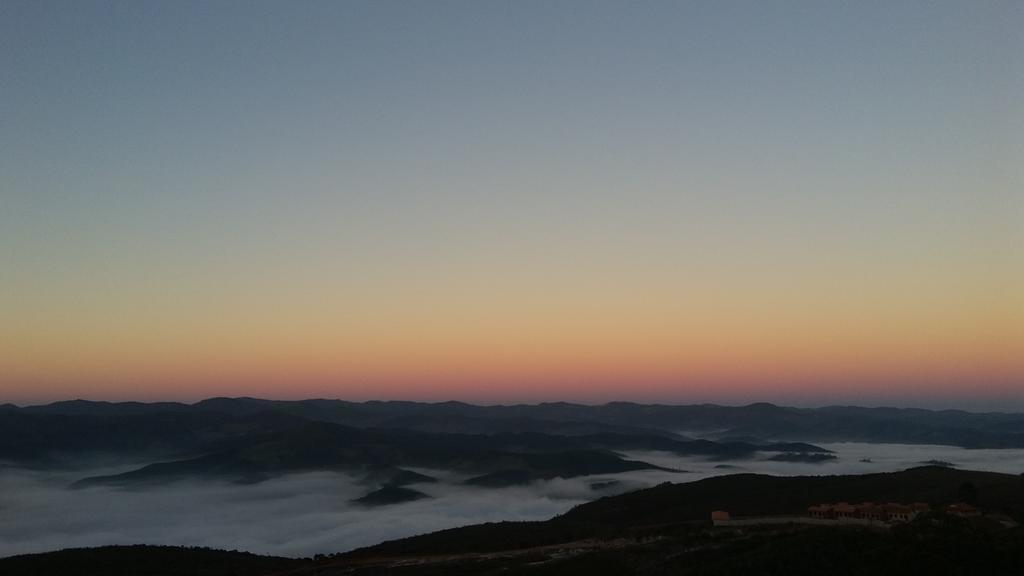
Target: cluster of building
<point>889,512</point>
<point>963,510</point>
<point>865,513</point>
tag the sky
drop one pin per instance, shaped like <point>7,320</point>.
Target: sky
<point>799,202</point>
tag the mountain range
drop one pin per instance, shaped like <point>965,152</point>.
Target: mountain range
<point>754,421</point>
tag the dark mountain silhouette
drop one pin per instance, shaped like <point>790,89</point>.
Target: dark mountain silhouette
<point>308,446</point>
<point>41,437</point>
<point>145,561</point>
<point>312,446</point>
<point>390,495</point>
<point>390,476</point>
<point>525,468</point>
<point>805,457</point>
<point>249,440</point>
<point>755,421</point>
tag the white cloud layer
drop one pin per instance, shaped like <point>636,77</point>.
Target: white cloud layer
<point>306,514</point>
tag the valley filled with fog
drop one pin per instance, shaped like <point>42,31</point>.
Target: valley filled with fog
<point>851,458</point>
<point>310,513</point>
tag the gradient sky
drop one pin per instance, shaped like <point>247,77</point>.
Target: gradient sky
<point>799,202</point>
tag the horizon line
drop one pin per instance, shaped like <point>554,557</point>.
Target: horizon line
<point>510,405</point>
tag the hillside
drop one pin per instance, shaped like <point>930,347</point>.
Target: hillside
<point>145,561</point>
<point>741,494</point>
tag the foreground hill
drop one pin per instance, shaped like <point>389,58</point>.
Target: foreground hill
<point>665,530</point>
<point>741,494</point>
<point>936,546</point>
<point>145,561</point>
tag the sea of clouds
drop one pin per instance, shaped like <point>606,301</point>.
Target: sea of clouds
<point>305,514</point>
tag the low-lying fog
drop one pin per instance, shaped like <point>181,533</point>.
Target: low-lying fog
<point>306,514</point>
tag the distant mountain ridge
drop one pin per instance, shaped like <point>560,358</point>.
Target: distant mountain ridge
<point>759,420</point>
<point>249,441</point>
